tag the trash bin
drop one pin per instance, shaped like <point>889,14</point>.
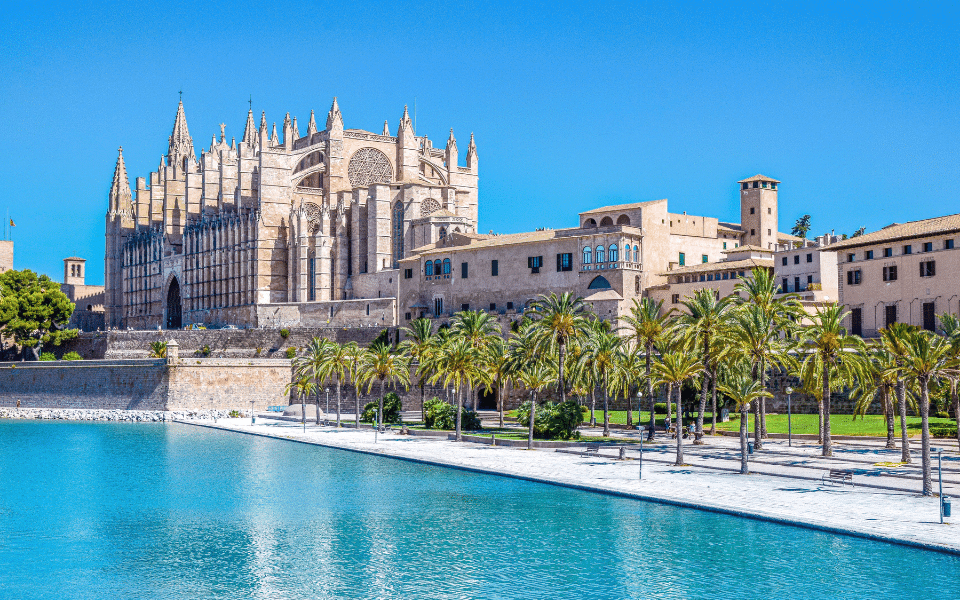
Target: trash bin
<point>946,506</point>
<point>749,447</point>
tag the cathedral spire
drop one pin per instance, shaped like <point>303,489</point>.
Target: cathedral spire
<point>181,144</point>
<point>296,131</point>
<point>120,197</point>
<point>274,138</point>
<point>250,131</point>
<point>472,154</point>
<point>405,122</point>
<point>311,125</point>
<point>452,141</point>
<point>334,118</point>
<point>386,128</point>
<point>263,121</point>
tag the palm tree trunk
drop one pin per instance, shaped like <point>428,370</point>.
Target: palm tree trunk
<point>606,406</point>
<point>338,402</point>
<point>679,462</point>
<point>423,411</point>
<point>888,413</point>
<point>317,395</point>
<point>303,409</point>
<point>563,387</point>
<point>500,401</point>
<point>356,394</point>
<point>669,398</point>
<point>383,390</point>
<point>820,421</point>
<point>652,400</point>
<point>925,436</point>
<point>593,406</point>
<point>760,427</point>
<point>533,413</point>
<point>956,406</point>
<point>744,465</point>
<point>827,444</point>
<point>698,435</point>
<point>757,431</point>
<point>713,388</point>
<point>459,394</point>
<point>904,439</point>
<point>630,409</point>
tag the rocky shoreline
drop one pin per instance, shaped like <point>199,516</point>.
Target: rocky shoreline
<point>96,414</point>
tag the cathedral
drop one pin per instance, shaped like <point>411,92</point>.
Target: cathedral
<point>280,229</point>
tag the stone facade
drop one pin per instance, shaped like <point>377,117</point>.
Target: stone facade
<point>266,222</point>
<point>6,255</point>
<point>88,299</point>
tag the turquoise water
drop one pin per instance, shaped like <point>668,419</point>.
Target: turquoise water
<point>95,510</point>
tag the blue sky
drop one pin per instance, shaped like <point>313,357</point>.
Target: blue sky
<point>574,105</point>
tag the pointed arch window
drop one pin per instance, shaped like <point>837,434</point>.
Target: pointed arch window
<point>587,255</point>
<point>613,253</point>
<point>626,253</point>
<point>600,257</point>
<point>636,253</point>
<point>397,234</point>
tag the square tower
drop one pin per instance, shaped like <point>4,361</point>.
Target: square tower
<point>758,211</point>
<point>73,270</point>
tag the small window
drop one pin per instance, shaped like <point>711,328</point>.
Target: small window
<point>809,257</point>
<point>868,255</point>
<point>796,259</point>
<point>851,257</point>
<point>753,232</point>
<point>494,268</point>
<point>600,257</point>
<point>853,277</point>
<point>890,273</point>
<point>368,310</point>
<point>614,251</point>
<point>724,245</point>
<point>509,305</point>
<point>464,271</point>
<point>908,249</point>
<point>752,210</point>
<point>786,286</point>
<point>534,263</point>
<point>887,252</point>
<point>704,258</point>
<point>769,211</point>
<point>890,314</point>
<point>756,184</point>
<point>726,275</point>
<point>675,298</point>
<point>407,315</point>
<point>565,261</point>
<point>769,232</point>
<point>587,254</point>
<point>464,307</point>
<point>746,185</point>
<point>683,259</point>
<point>784,261</point>
<point>493,306</point>
<point>446,266</point>
<point>626,253</point>
<point>928,246</point>
<point>408,273</point>
<point>763,184</point>
<point>928,268</point>
<point>809,279</point>
<point>636,252</point>
<point>428,268</point>
<point>709,276</point>
<point>948,244</point>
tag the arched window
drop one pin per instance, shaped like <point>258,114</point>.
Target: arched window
<point>613,253</point>
<point>636,253</point>
<point>587,255</point>
<point>626,253</point>
<point>623,220</point>
<point>446,266</point>
<point>397,234</point>
<point>428,268</point>
<point>599,283</point>
<point>590,223</point>
<point>606,222</point>
<point>600,257</point>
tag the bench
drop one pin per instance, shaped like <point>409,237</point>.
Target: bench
<point>593,449</point>
<point>838,476</point>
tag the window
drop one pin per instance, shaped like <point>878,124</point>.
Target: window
<point>809,279</point>
<point>407,316</point>
<point>443,233</point>
<point>565,261</point>
<point>928,268</point>
<point>408,273</point>
<point>397,234</point>
<point>534,263</point>
<point>890,315</point>
<point>464,307</point>
<point>856,321</point>
<point>600,257</point>
<point>887,252</point>
<point>746,185</point>
<point>683,259</point>
<point>948,244</point>
<point>751,210</point>
<point>786,286</point>
<point>928,246</point>
<point>853,277</point>
<point>929,317</point>
<point>446,266</point>
<point>868,255</point>
<point>796,284</point>
<point>724,245</point>
<point>599,283</point>
<point>464,271</point>
<point>890,273</point>
<point>784,261</point>
<point>636,252</point>
<point>509,305</point>
<point>493,306</point>
<point>709,276</point>
<point>796,259</point>
<point>756,184</point>
<point>753,232</point>
<point>614,253</point>
<point>312,279</point>
<point>626,253</point>
<point>637,284</point>
<point>675,298</point>
<point>769,211</point>
<point>851,257</point>
<point>494,268</point>
<point>908,249</point>
<point>368,310</point>
<point>587,254</point>
<point>809,257</point>
<point>726,275</point>
<point>428,268</point>
<point>704,258</point>
<point>769,232</point>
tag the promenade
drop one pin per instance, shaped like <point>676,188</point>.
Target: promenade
<point>784,485</point>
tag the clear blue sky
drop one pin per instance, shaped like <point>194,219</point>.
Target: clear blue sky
<point>855,108</point>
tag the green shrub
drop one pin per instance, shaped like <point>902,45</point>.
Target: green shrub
<point>943,432</point>
<point>660,408</point>
<point>440,415</point>
<point>202,352</point>
<point>72,356</point>
<point>291,352</point>
<point>391,409</point>
<point>234,414</point>
<point>943,414</point>
<point>284,333</point>
<point>554,420</point>
<point>47,356</point>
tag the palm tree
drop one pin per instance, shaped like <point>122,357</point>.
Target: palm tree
<point>928,359</point>
<point>158,350</point>
<point>312,364</point>
<point>894,339</point>
<point>356,354</point>
<point>336,360</point>
<point>498,369</point>
<point>672,369</point>
<point>457,362</point>
<point>743,389</point>
<point>601,351</point>
<point>950,326</point>
<point>535,376</point>
<point>629,370</point>
<point>704,326</point>
<point>556,321</point>
<point>648,325</point>
<point>417,345</point>
<point>836,355</point>
<point>381,363</point>
<point>880,386</point>
<point>304,386</point>
<point>479,328</point>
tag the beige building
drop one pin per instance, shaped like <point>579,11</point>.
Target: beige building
<point>88,299</point>
<point>272,228</point>
<point>903,273</point>
<point>6,255</point>
<point>617,254</point>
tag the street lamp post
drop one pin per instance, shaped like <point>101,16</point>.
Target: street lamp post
<point>939,452</point>
<point>789,392</point>
<point>641,429</point>
<point>253,419</point>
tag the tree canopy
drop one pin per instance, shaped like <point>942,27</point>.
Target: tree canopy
<point>33,310</point>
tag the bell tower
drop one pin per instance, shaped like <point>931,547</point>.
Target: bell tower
<point>758,211</point>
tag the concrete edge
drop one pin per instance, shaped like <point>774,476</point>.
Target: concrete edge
<point>758,516</point>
